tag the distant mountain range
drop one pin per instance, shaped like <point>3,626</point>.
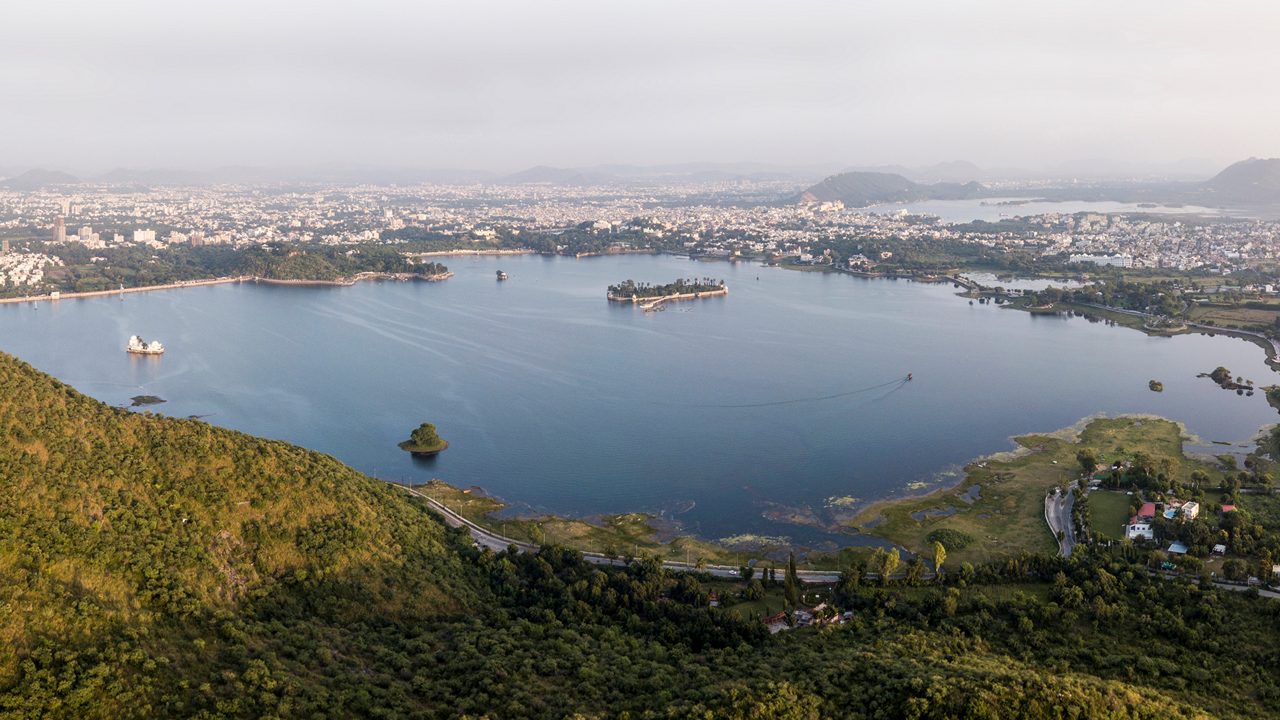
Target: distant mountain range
<point>37,179</point>
<point>956,171</point>
<point>1249,183</point>
<point>335,173</point>
<point>338,174</point>
<point>683,172</point>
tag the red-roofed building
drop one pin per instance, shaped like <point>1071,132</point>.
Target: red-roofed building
<point>1228,508</point>
<point>1147,511</point>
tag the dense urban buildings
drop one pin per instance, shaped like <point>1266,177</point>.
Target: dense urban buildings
<point>728,220</point>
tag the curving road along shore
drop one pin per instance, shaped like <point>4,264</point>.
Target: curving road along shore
<point>1057,513</point>
<point>492,541</point>
<point>342,282</point>
<point>1059,508</point>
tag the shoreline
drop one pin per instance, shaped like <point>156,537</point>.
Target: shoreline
<point>341,282</point>
<point>1070,433</point>
<point>349,281</point>
<point>995,506</point>
<point>463,252</point>
<point>1270,348</point>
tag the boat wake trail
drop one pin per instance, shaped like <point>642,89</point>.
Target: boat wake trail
<point>899,382</point>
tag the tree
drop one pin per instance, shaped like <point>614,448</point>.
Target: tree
<point>915,570</point>
<point>424,439</point>
<point>891,562</point>
<point>425,434</point>
<point>939,557</point>
<point>791,589</point>
<point>850,580</point>
<point>1088,460</point>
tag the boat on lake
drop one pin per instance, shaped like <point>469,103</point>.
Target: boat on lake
<point>502,275</point>
<point>138,346</point>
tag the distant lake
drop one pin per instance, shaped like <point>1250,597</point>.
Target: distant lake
<point>783,398</point>
<point>1020,283</point>
<point>989,209</point>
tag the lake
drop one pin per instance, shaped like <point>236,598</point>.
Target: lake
<point>783,399</point>
<point>990,209</point>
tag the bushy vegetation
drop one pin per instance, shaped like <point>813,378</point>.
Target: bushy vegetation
<point>156,567</point>
<point>950,539</point>
<point>424,440</point>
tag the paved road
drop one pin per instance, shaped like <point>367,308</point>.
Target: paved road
<point>1057,512</point>
<point>1061,513</point>
<point>1275,346</point>
<point>488,539</point>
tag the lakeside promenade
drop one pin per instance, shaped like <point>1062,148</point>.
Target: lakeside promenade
<point>463,252</point>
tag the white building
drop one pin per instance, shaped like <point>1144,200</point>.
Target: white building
<point>1123,261</point>
<point>1139,531</point>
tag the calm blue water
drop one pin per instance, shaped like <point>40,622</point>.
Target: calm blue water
<point>558,401</point>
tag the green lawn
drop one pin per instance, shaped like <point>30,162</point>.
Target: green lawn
<point>1110,511</point>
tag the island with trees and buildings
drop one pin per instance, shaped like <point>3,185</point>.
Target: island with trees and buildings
<point>630,291</point>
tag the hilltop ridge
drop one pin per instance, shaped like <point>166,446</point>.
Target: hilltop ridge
<point>1251,180</point>
<point>859,189</point>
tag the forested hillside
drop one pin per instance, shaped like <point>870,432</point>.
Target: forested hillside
<point>154,567</point>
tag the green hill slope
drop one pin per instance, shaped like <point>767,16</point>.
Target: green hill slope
<point>155,567</point>
<point>138,549</point>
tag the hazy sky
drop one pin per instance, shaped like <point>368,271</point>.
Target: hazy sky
<point>90,84</point>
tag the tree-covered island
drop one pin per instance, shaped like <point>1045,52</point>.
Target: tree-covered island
<point>632,291</point>
<point>424,441</point>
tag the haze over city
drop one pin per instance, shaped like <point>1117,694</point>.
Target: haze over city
<point>1181,88</point>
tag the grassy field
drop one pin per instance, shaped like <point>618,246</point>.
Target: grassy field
<point>1008,515</point>
<point>1234,316</point>
<point>1110,512</point>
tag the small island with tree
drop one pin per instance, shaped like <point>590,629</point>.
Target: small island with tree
<point>682,289</point>
<point>424,441</point>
